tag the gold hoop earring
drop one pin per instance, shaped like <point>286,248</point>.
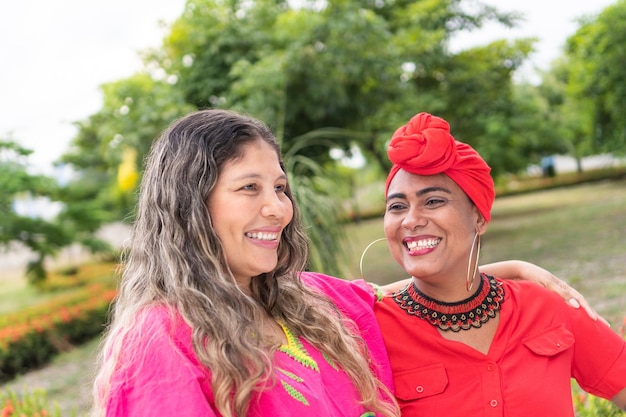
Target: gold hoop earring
<point>365,251</point>
<point>475,242</point>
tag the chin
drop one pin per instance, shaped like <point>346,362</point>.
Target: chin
<point>418,270</point>
<point>269,269</point>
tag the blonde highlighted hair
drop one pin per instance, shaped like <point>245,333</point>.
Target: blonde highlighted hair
<point>175,259</point>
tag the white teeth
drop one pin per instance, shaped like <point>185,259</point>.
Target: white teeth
<point>262,236</point>
<point>422,244</point>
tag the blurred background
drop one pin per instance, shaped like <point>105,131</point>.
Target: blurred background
<point>538,88</point>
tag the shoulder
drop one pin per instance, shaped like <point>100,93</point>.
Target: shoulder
<point>538,306</point>
<point>159,332</point>
<point>341,291</point>
<point>161,319</point>
<point>355,299</point>
<point>525,290</point>
<point>157,360</point>
<point>535,304</point>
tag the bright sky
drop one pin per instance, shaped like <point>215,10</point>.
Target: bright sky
<point>551,21</point>
<point>56,54</point>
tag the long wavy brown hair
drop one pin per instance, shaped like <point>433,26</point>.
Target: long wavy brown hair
<point>174,258</point>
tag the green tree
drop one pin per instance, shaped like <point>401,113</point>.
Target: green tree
<point>107,152</point>
<point>596,57</point>
<point>43,237</point>
<point>322,75</point>
<point>480,103</point>
<point>363,66</point>
<point>568,118</point>
<point>298,69</point>
<point>106,155</point>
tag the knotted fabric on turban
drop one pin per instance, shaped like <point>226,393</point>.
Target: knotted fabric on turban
<point>424,146</point>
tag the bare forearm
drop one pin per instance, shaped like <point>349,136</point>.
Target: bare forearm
<point>620,399</point>
<point>512,269</point>
<point>528,271</point>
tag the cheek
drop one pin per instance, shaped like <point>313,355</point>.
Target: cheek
<point>218,229</point>
<point>288,212</point>
<point>394,245</point>
<point>221,221</point>
<point>389,227</point>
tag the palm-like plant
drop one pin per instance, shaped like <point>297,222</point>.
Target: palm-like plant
<point>321,205</point>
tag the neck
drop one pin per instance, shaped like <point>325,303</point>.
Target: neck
<point>470,312</point>
<point>244,285</point>
<point>447,291</point>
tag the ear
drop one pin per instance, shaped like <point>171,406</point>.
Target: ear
<point>481,223</point>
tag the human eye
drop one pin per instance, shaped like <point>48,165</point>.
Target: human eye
<point>395,206</point>
<point>280,188</point>
<point>249,187</point>
<point>434,202</point>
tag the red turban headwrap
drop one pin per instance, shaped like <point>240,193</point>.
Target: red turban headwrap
<point>424,146</point>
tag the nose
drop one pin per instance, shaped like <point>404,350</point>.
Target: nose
<point>414,219</point>
<point>275,205</point>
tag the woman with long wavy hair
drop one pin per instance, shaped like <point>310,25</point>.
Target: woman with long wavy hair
<point>213,315</point>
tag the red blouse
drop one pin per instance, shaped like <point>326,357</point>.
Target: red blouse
<point>540,344</point>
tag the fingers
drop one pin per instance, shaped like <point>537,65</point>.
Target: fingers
<point>576,300</point>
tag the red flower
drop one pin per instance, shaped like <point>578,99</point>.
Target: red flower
<point>7,410</point>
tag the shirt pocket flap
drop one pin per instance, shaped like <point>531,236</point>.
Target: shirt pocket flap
<point>551,342</point>
<point>421,382</point>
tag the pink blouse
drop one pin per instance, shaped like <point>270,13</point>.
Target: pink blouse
<point>164,377</point>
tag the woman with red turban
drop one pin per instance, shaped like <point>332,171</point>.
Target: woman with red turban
<point>460,342</point>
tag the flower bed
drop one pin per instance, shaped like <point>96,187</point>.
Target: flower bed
<point>30,337</point>
<point>29,404</point>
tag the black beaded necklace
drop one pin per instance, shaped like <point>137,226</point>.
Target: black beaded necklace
<point>461,315</point>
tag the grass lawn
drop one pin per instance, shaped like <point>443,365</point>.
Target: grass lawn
<point>577,232</point>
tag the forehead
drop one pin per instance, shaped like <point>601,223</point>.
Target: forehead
<point>256,155</point>
<point>406,183</point>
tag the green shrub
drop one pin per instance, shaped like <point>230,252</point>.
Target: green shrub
<point>590,406</point>
<point>31,337</point>
<point>29,404</point>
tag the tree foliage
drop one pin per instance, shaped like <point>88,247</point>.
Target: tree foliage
<point>110,145</point>
<point>597,79</point>
<point>42,236</point>
<point>332,74</point>
<point>322,75</point>
<point>362,66</point>
<point>569,121</point>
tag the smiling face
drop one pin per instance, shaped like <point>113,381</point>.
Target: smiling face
<point>249,209</point>
<point>430,225</point>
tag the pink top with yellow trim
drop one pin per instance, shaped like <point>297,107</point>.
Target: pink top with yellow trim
<point>165,378</point>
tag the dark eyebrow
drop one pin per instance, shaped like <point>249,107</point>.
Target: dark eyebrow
<point>432,190</point>
<point>396,195</point>
<point>420,193</point>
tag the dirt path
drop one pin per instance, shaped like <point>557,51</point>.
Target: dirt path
<point>67,380</point>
